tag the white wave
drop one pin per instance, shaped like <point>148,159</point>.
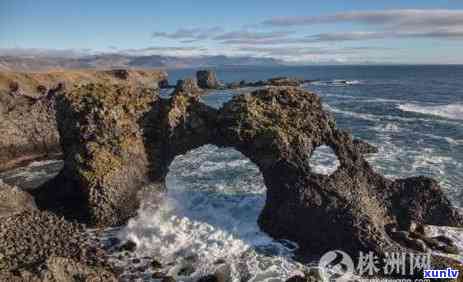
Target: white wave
<point>388,127</point>
<point>324,161</point>
<point>336,82</point>
<point>452,111</point>
<point>363,116</point>
<point>210,212</point>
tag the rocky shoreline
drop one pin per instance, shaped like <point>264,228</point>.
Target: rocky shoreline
<point>116,135</point>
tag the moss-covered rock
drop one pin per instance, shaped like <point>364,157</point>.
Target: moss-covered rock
<point>104,146</point>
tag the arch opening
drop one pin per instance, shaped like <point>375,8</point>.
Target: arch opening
<point>209,213</point>
<point>324,161</point>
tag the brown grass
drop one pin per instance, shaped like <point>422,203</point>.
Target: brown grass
<point>29,82</point>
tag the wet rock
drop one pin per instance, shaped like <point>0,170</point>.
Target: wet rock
<point>278,128</point>
<point>168,279</point>
<point>186,270</point>
<point>155,264</point>
<point>209,278</point>
<point>13,201</point>
<point>158,275</point>
<point>163,84</point>
<point>365,148</point>
<point>128,246</point>
<point>207,79</point>
<point>444,239</point>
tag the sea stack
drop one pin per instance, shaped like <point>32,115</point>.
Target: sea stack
<point>207,79</point>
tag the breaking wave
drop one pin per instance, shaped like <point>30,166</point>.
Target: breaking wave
<point>453,111</point>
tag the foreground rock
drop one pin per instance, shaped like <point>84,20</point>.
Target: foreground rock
<point>28,129</point>
<point>115,140</point>
<point>38,246</point>
<point>207,79</point>
<point>13,201</point>
<point>27,114</point>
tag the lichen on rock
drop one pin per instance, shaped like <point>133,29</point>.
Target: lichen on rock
<point>104,147</point>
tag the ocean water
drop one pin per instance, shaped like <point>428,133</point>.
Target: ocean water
<point>208,220</point>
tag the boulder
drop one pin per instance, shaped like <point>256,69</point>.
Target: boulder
<point>13,201</point>
<point>207,79</point>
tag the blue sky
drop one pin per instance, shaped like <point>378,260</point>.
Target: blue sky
<point>302,31</point>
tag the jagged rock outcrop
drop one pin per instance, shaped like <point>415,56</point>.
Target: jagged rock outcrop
<point>28,129</point>
<point>103,146</point>
<point>27,115</point>
<point>116,139</point>
<point>365,147</point>
<point>207,79</point>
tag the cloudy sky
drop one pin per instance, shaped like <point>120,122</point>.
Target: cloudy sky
<point>299,31</point>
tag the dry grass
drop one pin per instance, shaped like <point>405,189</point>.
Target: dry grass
<point>29,82</point>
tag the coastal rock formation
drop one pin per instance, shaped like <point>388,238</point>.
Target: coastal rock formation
<point>207,79</point>
<point>116,139</point>
<point>13,201</point>
<point>275,81</point>
<point>28,129</point>
<point>27,114</point>
<point>103,146</point>
<point>364,147</point>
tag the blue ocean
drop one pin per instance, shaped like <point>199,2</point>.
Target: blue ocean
<point>208,222</point>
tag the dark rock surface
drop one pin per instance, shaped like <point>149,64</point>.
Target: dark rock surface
<point>364,147</point>
<point>207,79</point>
<point>116,140</point>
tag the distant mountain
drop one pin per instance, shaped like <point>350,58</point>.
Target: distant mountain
<point>105,61</point>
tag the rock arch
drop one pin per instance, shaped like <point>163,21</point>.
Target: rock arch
<point>117,138</point>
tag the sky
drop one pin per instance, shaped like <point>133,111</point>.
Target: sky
<point>298,31</point>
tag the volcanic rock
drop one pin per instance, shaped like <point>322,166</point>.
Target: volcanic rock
<point>13,200</point>
<point>364,147</point>
<point>207,79</point>
<point>28,129</point>
<point>187,87</point>
<point>27,114</point>
<point>32,239</point>
<point>117,139</point>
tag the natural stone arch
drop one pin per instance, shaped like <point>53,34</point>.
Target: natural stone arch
<point>277,128</point>
<point>323,156</point>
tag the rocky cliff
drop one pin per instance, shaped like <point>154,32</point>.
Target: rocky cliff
<point>118,138</point>
<point>27,114</point>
